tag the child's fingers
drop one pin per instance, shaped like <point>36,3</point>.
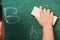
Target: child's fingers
<point>48,11</point>
<point>44,11</point>
<point>52,13</point>
<point>41,11</point>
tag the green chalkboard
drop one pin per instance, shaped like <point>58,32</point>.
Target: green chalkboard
<point>20,25</point>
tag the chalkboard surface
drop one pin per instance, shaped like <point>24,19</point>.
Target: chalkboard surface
<point>20,25</point>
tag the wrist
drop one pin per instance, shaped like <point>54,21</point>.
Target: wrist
<point>47,26</point>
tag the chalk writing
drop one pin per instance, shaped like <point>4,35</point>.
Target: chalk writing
<point>34,34</point>
<point>10,16</point>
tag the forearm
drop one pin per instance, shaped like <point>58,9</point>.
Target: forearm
<point>48,33</point>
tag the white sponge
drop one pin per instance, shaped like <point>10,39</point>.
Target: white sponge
<point>36,12</point>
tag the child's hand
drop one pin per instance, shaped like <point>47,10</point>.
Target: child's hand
<point>46,17</point>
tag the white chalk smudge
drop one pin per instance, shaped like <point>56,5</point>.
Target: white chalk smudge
<point>45,5</point>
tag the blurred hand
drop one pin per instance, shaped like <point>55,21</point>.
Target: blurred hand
<point>46,17</point>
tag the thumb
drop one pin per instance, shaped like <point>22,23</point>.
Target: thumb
<point>38,19</point>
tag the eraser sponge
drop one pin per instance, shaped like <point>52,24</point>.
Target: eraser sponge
<point>36,12</point>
